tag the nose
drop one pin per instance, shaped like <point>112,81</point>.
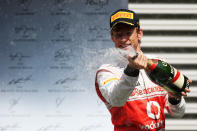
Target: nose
<point>123,39</point>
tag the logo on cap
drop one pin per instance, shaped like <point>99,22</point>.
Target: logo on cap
<point>121,14</point>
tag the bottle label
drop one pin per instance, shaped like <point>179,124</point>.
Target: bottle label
<point>178,79</point>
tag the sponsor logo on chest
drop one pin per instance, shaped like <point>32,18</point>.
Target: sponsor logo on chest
<point>141,92</point>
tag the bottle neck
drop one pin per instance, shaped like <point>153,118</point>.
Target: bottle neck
<point>151,64</point>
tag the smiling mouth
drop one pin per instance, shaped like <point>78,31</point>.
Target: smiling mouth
<point>125,46</point>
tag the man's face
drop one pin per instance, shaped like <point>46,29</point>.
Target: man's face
<point>125,36</point>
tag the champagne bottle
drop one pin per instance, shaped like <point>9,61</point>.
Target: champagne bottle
<point>165,75</point>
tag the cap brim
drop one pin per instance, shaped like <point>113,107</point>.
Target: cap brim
<point>121,22</point>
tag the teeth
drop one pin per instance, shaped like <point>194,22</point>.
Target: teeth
<point>125,45</point>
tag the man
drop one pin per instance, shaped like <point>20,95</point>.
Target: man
<point>134,101</point>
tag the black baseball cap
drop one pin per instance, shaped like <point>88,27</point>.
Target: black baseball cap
<point>124,16</point>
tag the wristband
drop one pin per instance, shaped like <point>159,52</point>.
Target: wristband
<point>174,101</point>
<point>131,72</point>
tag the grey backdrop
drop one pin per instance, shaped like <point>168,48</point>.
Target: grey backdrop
<point>45,46</point>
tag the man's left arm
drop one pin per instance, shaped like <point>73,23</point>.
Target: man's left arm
<point>175,104</point>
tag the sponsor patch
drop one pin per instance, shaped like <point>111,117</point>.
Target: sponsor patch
<point>122,15</point>
<point>109,80</point>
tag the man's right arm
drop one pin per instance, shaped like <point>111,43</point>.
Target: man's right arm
<point>116,88</point>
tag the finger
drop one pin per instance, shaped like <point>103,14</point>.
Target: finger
<point>145,62</point>
<point>141,60</point>
<point>134,57</point>
<point>187,90</point>
<point>139,56</point>
<point>190,81</point>
<point>183,93</point>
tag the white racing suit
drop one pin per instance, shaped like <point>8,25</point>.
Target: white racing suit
<point>135,103</point>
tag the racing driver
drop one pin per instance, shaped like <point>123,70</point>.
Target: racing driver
<point>133,100</point>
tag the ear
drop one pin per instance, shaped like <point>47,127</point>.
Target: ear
<point>140,34</point>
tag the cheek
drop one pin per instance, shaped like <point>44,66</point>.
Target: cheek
<point>134,41</point>
<point>116,44</point>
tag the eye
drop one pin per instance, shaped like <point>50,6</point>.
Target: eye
<point>118,35</point>
<point>129,33</point>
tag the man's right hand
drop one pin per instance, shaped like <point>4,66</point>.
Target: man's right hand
<point>140,62</point>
